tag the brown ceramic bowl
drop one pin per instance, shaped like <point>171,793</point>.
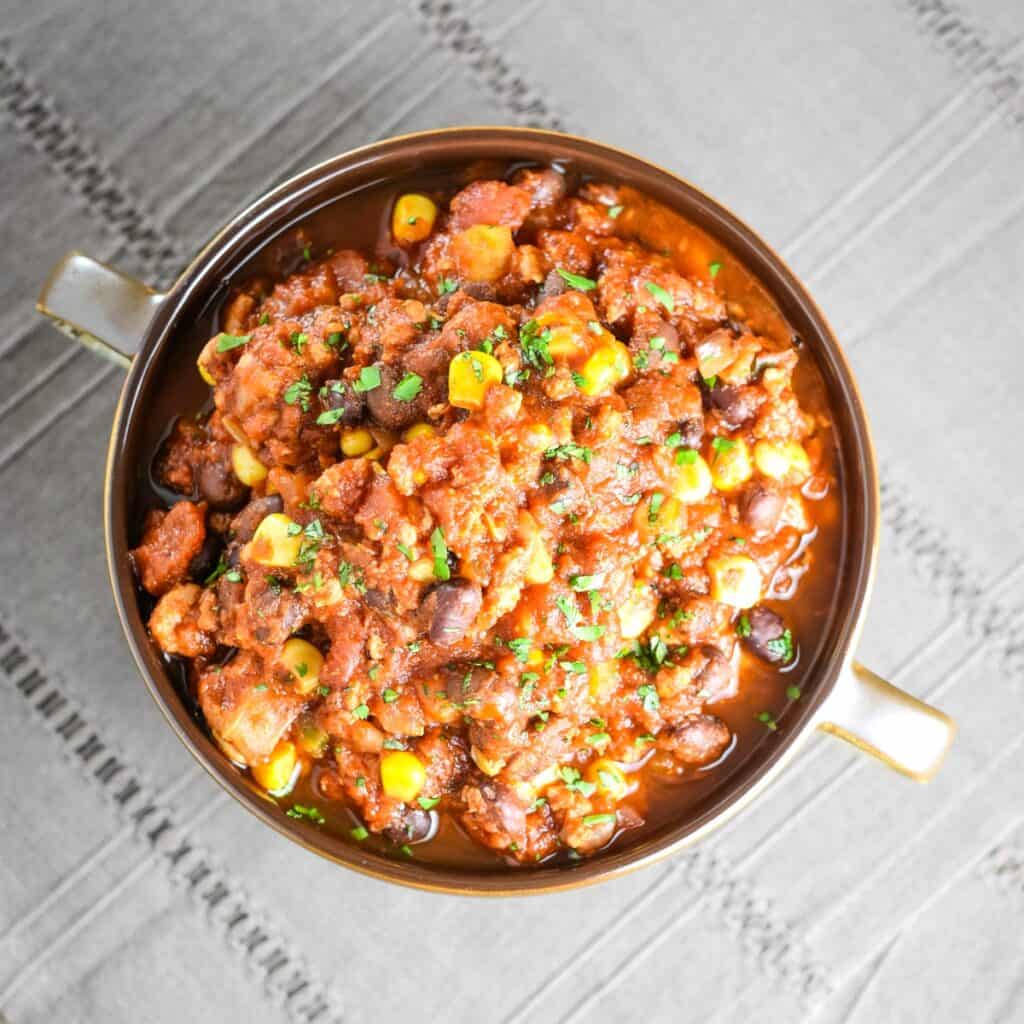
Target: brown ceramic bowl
<point>145,331</point>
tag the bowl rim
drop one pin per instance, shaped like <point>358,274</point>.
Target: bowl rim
<point>274,206</point>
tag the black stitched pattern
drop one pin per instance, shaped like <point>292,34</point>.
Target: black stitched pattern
<point>952,32</point>
<point>91,180</point>
<point>944,569</point>
<point>287,979</point>
<point>524,104</point>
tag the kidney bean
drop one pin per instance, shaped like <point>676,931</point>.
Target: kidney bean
<point>339,394</point>
<point>736,406</point>
<point>761,507</point>
<point>219,486</point>
<point>206,560</point>
<point>715,678</point>
<point>451,608</point>
<point>243,526</point>
<point>765,626</point>
<point>414,826</point>
<point>390,412</point>
<point>698,739</point>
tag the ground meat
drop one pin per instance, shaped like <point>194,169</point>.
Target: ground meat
<point>170,541</point>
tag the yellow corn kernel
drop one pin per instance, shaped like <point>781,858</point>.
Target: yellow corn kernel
<point>692,480</point>
<point>356,441</point>
<point>782,460</point>
<point>538,437</point>
<point>539,569</point>
<point>730,465</point>
<point>313,739</point>
<point>735,580</point>
<point>657,515</point>
<point>608,367</point>
<point>412,218</point>
<point>602,679</point>
<point>637,612</point>
<point>206,375</point>
<point>277,773</point>
<point>402,775</point>
<point>247,467</point>
<point>422,570</point>
<point>303,661</point>
<point>565,341</point>
<point>276,542</point>
<point>489,766</point>
<point>609,778</point>
<point>470,374</point>
<point>535,658</point>
<point>483,252</point>
<point>419,430</point>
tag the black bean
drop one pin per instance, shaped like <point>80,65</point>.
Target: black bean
<point>735,405</point>
<point>381,600</point>
<point>765,626</point>
<point>451,608</point>
<point>413,826</point>
<point>715,677</point>
<point>340,395</point>
<point>390,412</point>
<point>761,507</point>
<point>243,526</point>
<point>206,560</point>
<point>219,486</point>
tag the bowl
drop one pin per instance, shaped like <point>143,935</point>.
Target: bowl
<point>142,330</point>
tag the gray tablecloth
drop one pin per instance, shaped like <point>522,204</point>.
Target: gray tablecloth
<point>881,146</point>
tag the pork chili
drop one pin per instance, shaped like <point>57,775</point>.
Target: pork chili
<point>488,529</point>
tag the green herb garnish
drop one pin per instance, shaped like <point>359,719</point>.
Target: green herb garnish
<point>583,284</point>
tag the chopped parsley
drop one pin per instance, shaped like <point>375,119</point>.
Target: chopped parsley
<point>575,782</point>
<point>598,819</point>
<point>299,340</point>
<point>362,711</point>
<point>226,342</point>
<point>743,626</point>
<point>264,319</point>
<point>583,284</point>
<point>650,656</point>
<point>369,378</point>
<point>685,457</point>
<point>534,343</point>
<point>782,647</point>
<point>298,393</point>
<point>439,549</point>
<point>714,268</point>
<point>359,833</point>
<point>649,698</point>
<point>428,803</point>
<point>309,813</point>
<point>334,339</point>
<point>408,387</point>
<point>389,696</point>
<point>330,417</point>
<point>564,452</point>
<point>662,296</point>
<point>520,647</point>
<point>723,444</point>
<point>571,612</point>
<point>657,498</point>
<point>218,570</point>
<point>767,719</point>
<point>614,211</point>
<point>447,285</point>
<point>586,582</point>
<point>793,692</point>
<point>406,550</point>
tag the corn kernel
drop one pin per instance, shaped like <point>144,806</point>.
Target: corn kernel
<point>249,470</point>
<point>206,375</point>
<point>422,570</point>
<point>735,580</point>
<point>276,542</point>
<point>608,367</point>
<point>730,466</point>
<point>277,773</point>
<point>402,775</point>
<point>535,658</point>
<point>657,515</point>
<point>356,441</point>
<point>609,778</point>
<point>419,430</point>
<point>637,612</point>
<point>412,218</point>
<point>692,481</point>
<point>539,569</point>
<point>565,341</point>
<point>782,460</point>
<point>602,679</point>
<point>470,374</point>
<point>483,252</point>
<point>538,437</point>
<point>303,661</point>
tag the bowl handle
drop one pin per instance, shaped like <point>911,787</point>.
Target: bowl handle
<point>98,306</point>
<point>904,732</point>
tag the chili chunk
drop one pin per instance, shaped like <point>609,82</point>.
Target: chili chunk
<point>487,523</point>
